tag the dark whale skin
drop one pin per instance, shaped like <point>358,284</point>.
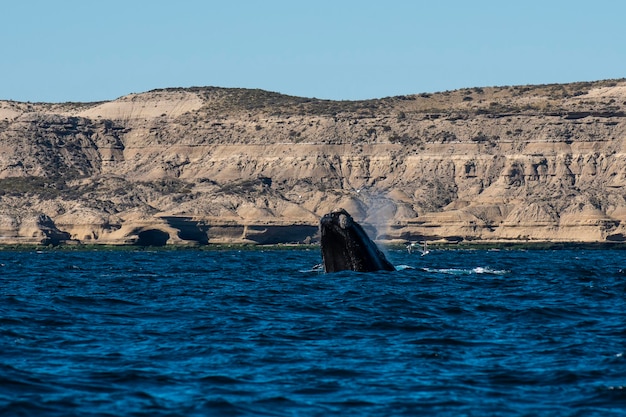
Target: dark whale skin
<point>345,245</point>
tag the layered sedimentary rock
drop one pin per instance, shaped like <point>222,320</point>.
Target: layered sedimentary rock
<point>212,165</point>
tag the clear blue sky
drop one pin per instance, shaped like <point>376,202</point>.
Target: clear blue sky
<point>83,50</point>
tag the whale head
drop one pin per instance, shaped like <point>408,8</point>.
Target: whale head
<point>346,246</point>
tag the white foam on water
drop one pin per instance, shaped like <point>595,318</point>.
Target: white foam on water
<point>463,271</point>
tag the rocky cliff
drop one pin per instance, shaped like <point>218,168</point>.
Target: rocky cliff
<point>213,165</point>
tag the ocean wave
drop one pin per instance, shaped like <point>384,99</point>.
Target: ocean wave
<point>533,333</point>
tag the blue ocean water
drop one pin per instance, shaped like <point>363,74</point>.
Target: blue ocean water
<point>229,333</point>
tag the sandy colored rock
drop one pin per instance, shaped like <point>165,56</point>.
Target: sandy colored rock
<point>213,165</point>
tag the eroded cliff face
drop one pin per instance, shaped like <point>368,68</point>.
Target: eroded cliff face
<point>211,165</point>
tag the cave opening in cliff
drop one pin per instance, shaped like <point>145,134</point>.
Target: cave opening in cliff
<point>152,237</point>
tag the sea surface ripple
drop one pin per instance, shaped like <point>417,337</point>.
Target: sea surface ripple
<point>262,332</point>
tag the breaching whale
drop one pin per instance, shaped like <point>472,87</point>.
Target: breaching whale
<point>346,246</point>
